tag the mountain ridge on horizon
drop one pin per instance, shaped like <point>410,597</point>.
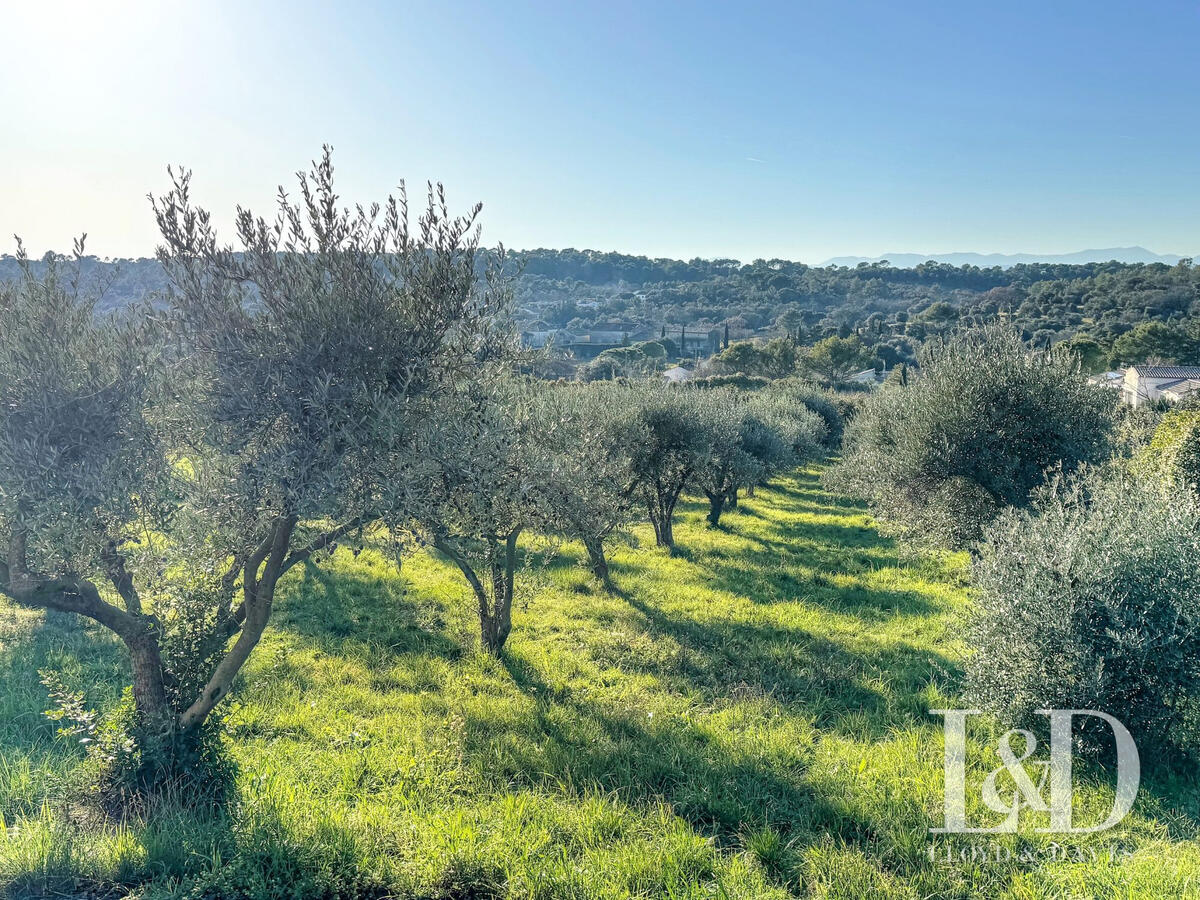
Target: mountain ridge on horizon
<point>1135,254</point>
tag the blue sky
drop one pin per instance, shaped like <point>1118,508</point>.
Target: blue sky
<point>798,130</point>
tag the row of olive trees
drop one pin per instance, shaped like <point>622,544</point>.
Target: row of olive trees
<point>333,373</point>
<point>160,471</point>
<point>578,460</point>
<point>717,441</point>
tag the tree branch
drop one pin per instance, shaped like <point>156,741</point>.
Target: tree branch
<point>74,595</point>
<point>259,596</point>
<point>118,574</point>
<point>323,542</point>
<point>445,546</point>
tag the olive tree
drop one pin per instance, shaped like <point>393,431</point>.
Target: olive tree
<point>722,420</point>
<point>976,432</point>
<point>301,365</point>
<point>780,435</point>
<point>798,393</point>
<point>668,444</point>
<point>1172,456</point>
<point>749,438</point>
<point>1090,599</point>
<point>802,429</point>
<point>82,467</point>
<point>485,487</point>
<point>588,480</point>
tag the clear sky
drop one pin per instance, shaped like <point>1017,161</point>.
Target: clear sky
<point>789,129</point>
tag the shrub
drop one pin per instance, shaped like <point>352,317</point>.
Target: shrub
<point>1091,600</point>
<point>976,432</point>
<point>1172,458</point>
<point>823,403</point>
<point>742,382</point>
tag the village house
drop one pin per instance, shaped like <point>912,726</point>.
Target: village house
<point>1146,384</point>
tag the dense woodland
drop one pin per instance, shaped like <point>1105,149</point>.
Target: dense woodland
<point>1100,306</point>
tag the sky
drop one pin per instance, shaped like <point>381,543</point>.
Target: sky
<point>747,130</point>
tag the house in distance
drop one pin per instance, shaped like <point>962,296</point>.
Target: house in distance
<point>1146,384</point>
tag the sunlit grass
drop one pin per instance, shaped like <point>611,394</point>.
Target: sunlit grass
<point>747,718</point>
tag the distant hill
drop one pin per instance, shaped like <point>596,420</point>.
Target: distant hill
<point>893,308</point>
<point>1004,260</point>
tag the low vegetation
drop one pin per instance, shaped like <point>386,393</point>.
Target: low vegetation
<point>1091,600</point>
<point>988,418</point>
<point>747,719</point>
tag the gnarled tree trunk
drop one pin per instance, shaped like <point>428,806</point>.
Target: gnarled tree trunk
<point>716,505</point>
<point>165,734</point>
<point>599,563</point>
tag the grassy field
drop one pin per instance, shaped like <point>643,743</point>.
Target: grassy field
<point>745,719</point>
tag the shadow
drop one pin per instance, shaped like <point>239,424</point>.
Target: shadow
<point>370,619</point>
<point>584,747</point>
<point>798,669</point>
<point>214,854</point>
<point>38,765</point>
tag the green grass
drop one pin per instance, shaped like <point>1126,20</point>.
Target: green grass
<point>745,719</point>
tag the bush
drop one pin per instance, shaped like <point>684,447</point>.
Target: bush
<point>742,382</point>
<point>1172,458</point>
<point>1135,427</point>
<point>1091,600</point>
<point>976,432</point>
<point>824,403</point>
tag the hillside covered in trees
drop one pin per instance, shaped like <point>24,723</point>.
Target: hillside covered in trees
<point>1115,312</point>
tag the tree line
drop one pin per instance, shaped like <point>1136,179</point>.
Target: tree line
<point>336,377</point>
<point>892,310</point>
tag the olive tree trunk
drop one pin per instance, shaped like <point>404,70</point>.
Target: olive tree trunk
<point>660,505</point>
<point>162,730</point>
<point>716,505</point>
<point>596,557</point>
<point>495,603</point>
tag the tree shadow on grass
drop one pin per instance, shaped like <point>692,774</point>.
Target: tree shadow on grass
<point>209,852</point>
<point>370,619</point>
<point>585,747</point>
<point>804,671</point>
<point>765,579</point>
<point>37,765</point>
<point>797,559</point>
